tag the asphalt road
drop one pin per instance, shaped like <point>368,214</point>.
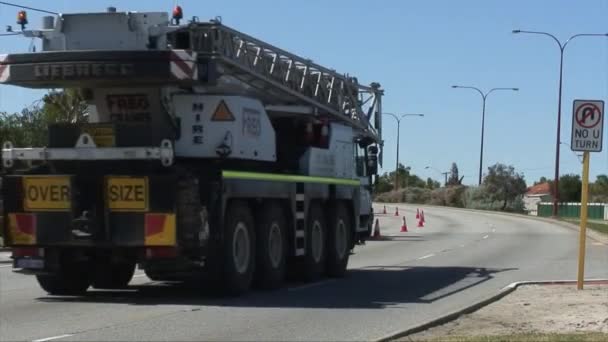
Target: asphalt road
<point>400,281</point>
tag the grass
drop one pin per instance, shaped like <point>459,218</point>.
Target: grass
<point>574,337</point>
<point>597,226</point>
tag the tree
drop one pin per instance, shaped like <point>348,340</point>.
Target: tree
<point>65,106</point>
<point>453,179</point>
<point>542,180</point>
<point>570,188</point>
<point>599,189</point>
<point>504,184</point>
<point>30,127</point>
<point>432,184</point>
<point>383,184</point>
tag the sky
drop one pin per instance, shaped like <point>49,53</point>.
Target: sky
<point>416,50</point>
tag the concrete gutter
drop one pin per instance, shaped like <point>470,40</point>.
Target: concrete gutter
<point>478,305</point>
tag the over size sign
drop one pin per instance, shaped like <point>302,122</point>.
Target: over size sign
<point>587,125</point>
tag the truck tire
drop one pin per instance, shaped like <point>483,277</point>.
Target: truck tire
<point>239,249</point>
<point>338,241</point>
<point>316,235</point>
<point>112,275</point>
<point>70,280</point>
<point>271,247</point>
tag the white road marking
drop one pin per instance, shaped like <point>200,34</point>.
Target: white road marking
<point>426,256</point>
<point>486,236</point>
<point>307,286</point>
<point>462,246</point>
<point>139,275</point>
<point>11,265</point>
<point>493,230</point>
<point>52,338</point>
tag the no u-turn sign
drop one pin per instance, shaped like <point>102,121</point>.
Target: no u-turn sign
<point>587,125</point>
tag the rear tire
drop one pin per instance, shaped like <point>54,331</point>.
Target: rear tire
<point>112,275</point>
<point>239,249</point>
<point>271,247</point>
<point>316,235</point>
<point>70,280</point>
<point>338,241</point>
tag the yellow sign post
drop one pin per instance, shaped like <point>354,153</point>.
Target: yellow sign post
<point>583,229</point>
<point>587,136</point>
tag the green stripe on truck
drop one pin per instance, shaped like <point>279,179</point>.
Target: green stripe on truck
<point>274,177</point>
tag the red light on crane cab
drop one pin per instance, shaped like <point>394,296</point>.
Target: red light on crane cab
<point>22,18</point>
<point>178,13</point>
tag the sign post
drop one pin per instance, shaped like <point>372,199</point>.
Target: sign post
<point>587,135</point>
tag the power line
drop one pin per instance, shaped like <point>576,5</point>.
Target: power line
<point>28,8</point>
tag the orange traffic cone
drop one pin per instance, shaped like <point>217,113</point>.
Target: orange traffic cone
<point>396,211</point>
<point>422,216</point>
<point>384,211</point>
<point>404,226</point>
<point>420,223</point>
<point>417,213</point>
<point>377,230</point>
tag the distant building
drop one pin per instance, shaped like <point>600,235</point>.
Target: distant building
<point>536,194</point>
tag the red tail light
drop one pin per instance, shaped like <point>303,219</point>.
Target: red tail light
<point>27,252</point>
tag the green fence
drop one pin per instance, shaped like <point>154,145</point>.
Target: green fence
<point>596,211</point>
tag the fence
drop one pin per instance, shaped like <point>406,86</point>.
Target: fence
<point>596,211</point>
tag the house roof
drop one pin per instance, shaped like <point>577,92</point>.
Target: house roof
<point>539,189</point>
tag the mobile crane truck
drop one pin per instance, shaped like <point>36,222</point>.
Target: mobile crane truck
<point>206,151</point>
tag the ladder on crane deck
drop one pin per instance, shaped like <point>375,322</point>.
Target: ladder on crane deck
<point>284,75</point>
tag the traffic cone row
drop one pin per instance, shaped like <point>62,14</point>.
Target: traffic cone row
<point>396,211</point>
<point>384,211</point>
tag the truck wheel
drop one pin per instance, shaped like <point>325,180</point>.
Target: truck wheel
<point>338,241</point>
<point>112,275</point>
<point>271,247</point>
<point>70,280</point>
<point>314,260</point>
<point>239,249</point>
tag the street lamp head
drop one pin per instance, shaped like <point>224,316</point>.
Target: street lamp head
<point>515,89</point>
<point>427,167</point>
<point>455,86</point>
<point>516,31</point>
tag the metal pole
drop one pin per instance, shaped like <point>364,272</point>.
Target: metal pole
<point>483,119</point>
<point>583,228</point>
<point>397,163</point>
<point>558,139</point>
<point>484,96</point>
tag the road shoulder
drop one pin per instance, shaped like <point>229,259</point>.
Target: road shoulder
<point>532,309</point>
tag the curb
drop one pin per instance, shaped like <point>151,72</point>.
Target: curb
<point>476,306</point>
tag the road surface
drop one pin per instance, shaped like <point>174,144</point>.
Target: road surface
<point>400,281</point>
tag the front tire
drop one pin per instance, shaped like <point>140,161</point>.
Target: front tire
<point>338,241</point>
<point>239,249</point>
<point>271,247</point>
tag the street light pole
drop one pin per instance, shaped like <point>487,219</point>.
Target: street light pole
<point>562,47</point>
<point>484,96</point>
<point>398,118</point>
